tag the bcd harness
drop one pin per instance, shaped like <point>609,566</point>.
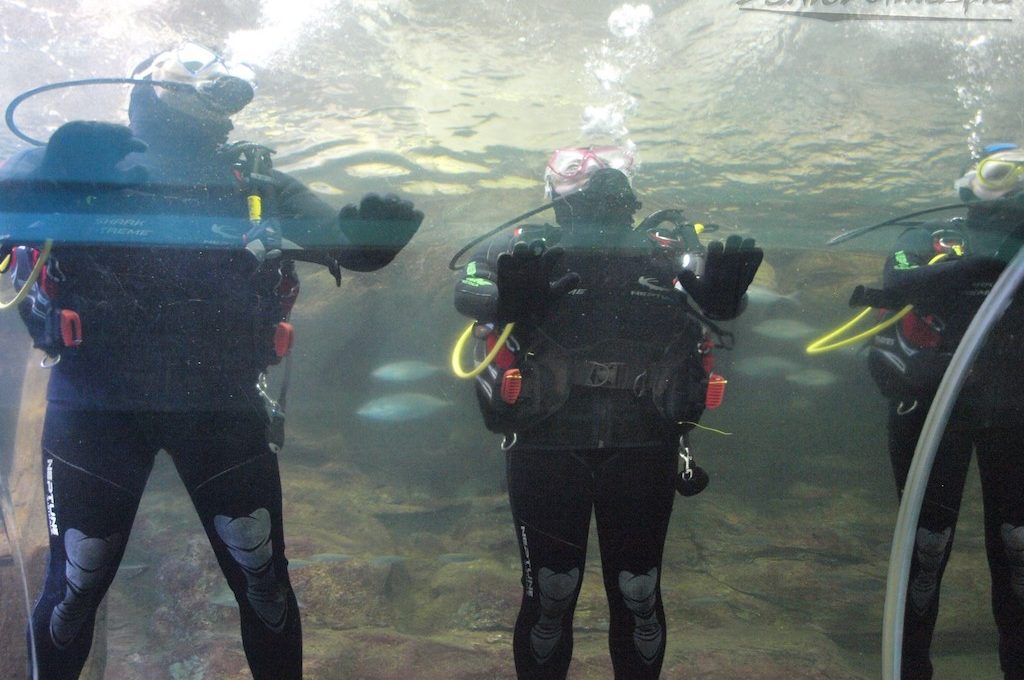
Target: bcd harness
<point>59,319</point>
<point>527,383</point>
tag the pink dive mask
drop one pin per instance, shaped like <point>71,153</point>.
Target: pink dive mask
<point>569,169</point>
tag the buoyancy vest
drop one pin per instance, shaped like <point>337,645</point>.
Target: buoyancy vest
<point>620,361</point>
<point>908,359</point>
<point>160,327</point>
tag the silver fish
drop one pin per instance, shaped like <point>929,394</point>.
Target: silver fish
<point>766,297</point>
<point>407,370</point>
<point>783,329</point>
<point>402,407</point>
<point>813,377</point>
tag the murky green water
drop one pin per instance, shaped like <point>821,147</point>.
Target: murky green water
<point>789,129</point>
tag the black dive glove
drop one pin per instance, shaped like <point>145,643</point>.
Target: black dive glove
<point>384,224</point>
<point>915,284</point>
<point>89,151</point>
<point>525,289</point>
<point>728,270</point>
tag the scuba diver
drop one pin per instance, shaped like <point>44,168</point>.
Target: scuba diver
<point>603,374</point>
<point>937,276</point>
<point>163,347</point>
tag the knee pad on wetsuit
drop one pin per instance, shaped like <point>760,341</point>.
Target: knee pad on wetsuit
<point>930,548</point>
<point>1013,542</point>
<point>639,594</point>
<point>90,563</point>
<point>557,596</point>
<point>248,540</point>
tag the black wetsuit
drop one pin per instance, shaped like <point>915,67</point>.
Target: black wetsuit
<point>988,419</point>
<point>174,340</point>
<point>606,449</point>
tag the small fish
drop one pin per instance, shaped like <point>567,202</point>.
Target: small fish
<point>766,297</point>
<point>783,329</point>
<point>387,560</point>
<point>765,366</point>
<point>813,377</point>
<point>325,188</point>
<point>402,407</point>
<point>128,570</point>
<point>408,370</point>
<point>456,558</point>
<point>330,557</point>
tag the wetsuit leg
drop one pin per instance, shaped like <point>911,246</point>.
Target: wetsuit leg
<point>935,528</point>
<point>1002,483</point>
<point>235,485</point>
<point>95,467</point>
<point>633,504</point>
<point>551,496</point>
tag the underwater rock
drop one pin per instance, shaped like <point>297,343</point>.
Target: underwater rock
<point>481,596</point>
<point>356,593</point>
<point>813,377</point>
<point>386,655</point>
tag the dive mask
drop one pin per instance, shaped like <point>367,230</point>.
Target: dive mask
<point>1000,172</point>
<point>218,88</point>
<point>569,169</point>
<point>995,175</point>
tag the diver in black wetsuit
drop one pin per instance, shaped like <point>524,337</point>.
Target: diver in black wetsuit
<point>160,347</point>
<point>908,361</point>
<point>603,373</point>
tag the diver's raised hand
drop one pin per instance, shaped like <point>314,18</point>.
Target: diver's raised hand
<point>525,289</point>
<point>89,151</point>
<point>728,270</point>
<point>381,223</point>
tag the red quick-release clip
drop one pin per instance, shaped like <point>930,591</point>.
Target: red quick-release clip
<point>716,391</point>
<point>70,328</point>
<point>705,350</point>
<point>511,385</point>
<point>284,336</point>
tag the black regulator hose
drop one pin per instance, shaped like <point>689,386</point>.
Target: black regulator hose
<point>504,225</point>
<point>860,231</point>
<point>9,115</point>
<point>673,216</point>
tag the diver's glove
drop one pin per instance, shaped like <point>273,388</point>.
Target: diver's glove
<point>525,289</point>
<point>382,225</point>
<point>922,282</point>
<point>89,151</point>
<point>728,270</point>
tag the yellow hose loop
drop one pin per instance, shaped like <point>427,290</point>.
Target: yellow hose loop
<point>820,345</point>
<point>460,345</point>
<point>32,277</point>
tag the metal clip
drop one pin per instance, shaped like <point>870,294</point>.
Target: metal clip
<point>602,374</point>
<point>640,384</point>
<point>684,453</point>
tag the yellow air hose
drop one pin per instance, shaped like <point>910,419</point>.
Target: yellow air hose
<point>32,277</point>
<point>460,345</point>
<point>820,346</point>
